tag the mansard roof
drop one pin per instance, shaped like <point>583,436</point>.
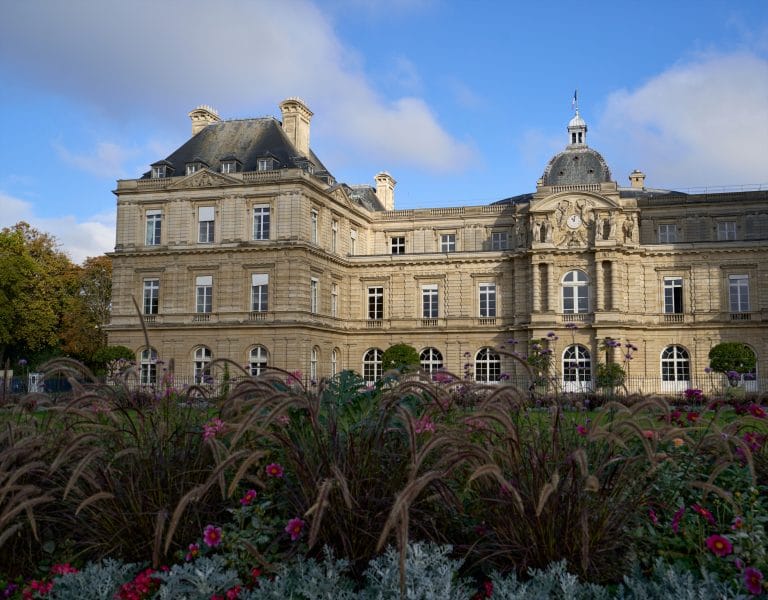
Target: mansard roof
<point>247,140</point>
<point>576,165</point>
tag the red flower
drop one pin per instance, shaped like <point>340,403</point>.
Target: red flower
<point>581,430</point>
<point>753,579</point>
<point>212,536</point>
<point>233,593</point>
<point>704,513</point>
<point>249,497</point>
<point>294,528</point>
<point>275,470</point>
<point>719,545</point>
<point>757,411</point>
<point>62,569</point>
<point>692,417</point>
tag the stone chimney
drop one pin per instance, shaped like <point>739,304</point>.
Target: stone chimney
<point>385,190</point>
<point>203,116</point>
<point>296,118</point>
<point>637,179</point>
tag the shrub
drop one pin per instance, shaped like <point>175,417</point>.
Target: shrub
<point>609,375</point>
<point>400,356</point>
<point>733,359</point>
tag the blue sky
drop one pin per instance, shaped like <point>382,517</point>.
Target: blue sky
<point>462,102</point>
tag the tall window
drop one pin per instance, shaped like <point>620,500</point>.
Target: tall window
<point>313,364</point>
<point>334,234</point>
<point>313,231</point>
<point>431,360</point>
<point>151,296</point>
<point>204,294</point>
<point>487,299</point>
<point>257,360</point>
<point>575,292</point>
<point>577,366</point>
<point>375,302</point>
<point>398,245</point>
<point>148,361</point>
<point>726,230</point>
<point>334,299</point>
<point>675,364</point>
<point>313,284</point>
<point>261,222</point>
<point>154,227</point>
<point>372,365</point>
<point>334,361</point>
<point>448,242</point>
<point>499,240</point>
<point>205,224</point>
<point>229,166</point>
<point>487,366</point>
<point>259,292</point>
<point>673,295</point>
<point>667,233</point>
<point>353,241</point>
<point>202,364</point>
<point>429,301</point>
<point>738,293</point>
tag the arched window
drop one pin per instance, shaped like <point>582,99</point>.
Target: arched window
<point>675,364</point>
<point>313,356</point>
<point>258,358</point>
<point>334,361</point>
<point>487,366</point>
<point>577,369</point>
<point>431,360</point>
<point>575,292</point>
<point>202,363</point>
<point>372,365</point>
<point>148,362</point>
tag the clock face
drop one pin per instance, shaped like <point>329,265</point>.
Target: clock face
<point>573,221</point>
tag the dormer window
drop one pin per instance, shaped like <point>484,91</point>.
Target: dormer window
<point>231,165</point>
<point>265,164</point>
<point>158,172</point>
<point>195,166</point>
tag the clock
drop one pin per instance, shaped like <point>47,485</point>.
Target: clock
<point>573,221</point>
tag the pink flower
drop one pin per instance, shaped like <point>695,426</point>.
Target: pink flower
<point>423,425</point>
<point>294,528</point>
<point>704,513</point>
<point>692,417</point>
<point>652,516</point>
<point>194,551</point>
<point>212,536</point>
<point>212,428</point>
<point>62,569</point>
<point>737,524</point>
<point>676,519</point>
<point>249,497</point>
<point>757,411</point>
<point>753,579</point>
<point>581,430</point>
<point>275,470</point>
<point>233,593</point>
<point>719,545</point>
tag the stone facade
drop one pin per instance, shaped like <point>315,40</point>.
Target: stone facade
<point>280,265</point>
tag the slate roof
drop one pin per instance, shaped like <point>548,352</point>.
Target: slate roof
<point>365,196</point>
<point>576,165</point>
<point>247,140</point>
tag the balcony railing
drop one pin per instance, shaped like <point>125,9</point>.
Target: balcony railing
<point>201,318</point>
<point>674,317</point>
<point>257,315</point>
<point>374,324</point>
<point>576,317</point>
<point>429,322</point>
<point>741,316</point>
<point>150,319</point>
<point>486,321</point>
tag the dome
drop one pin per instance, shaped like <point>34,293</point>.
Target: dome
<point>576,165</point>
<point>577,121</point>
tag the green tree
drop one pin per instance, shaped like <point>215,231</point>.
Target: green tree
<point>400,356</point>
<point>733,359</point>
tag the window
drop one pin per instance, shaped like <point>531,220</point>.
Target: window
<point>372,365</point>
<point>487,299</point>
<point>447,242</point>
<point>487,366</point>
<point>334,299</point>
<point>204,294</point>
<point>577,367</point>
<point>154,228</point>
<point>675,364</point>
<point>352,241</point>
<point>259,292</point>
<point>738,293</point>
<point>431,360</point>
<point>229,166</point>
<point>194,167</point>
<point>202,365</point>
<point>257,360</point>
<point>148,361</point>
<point>151,296</point>
<point>667,233</point>
<point>334,361</point>
<point>499,240</point>
<point>205,224</point>
<point>726,230</point>
<point>398,245</point>
<point>313,364</point>
<point>673,295</point>
<point>575,292</point>
<point>158,172</point>
<point>313,283</point>
<point>429,301</point>
<point>261,222</point>
<point>264,164</point>
<point>313,231</point>
<point>334,234</point>
<point>375,302</point>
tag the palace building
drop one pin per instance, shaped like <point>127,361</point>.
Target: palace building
<point>241,244</point>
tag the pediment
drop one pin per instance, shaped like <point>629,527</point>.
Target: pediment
<point>340,196</point>
<point>203,179</point>
<point>569,202</point>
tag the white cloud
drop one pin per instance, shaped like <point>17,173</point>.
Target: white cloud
<point>107,160</point>
<point>702,123</point>
<point>139,58</point>
<point>78,238</point>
